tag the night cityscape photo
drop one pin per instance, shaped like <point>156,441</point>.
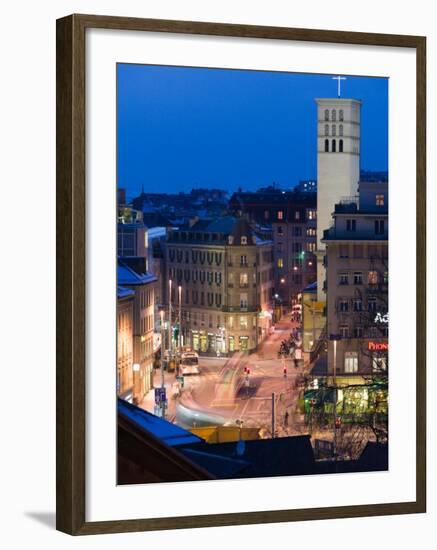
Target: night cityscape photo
<point>252,274</point>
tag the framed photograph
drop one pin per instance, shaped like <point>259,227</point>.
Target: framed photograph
<point>240,257</point>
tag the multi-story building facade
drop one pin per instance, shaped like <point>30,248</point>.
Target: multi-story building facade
<point>143,286</point>
<point>125,322</point>
<point>293,218</point>
<point>225,274</point>
<point>357,283</point>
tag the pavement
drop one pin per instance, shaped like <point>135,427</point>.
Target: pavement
<point>223,393</point>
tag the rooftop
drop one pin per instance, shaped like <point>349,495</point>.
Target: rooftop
<point>127,276</point>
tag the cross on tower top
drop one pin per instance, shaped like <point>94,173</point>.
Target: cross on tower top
<point>339,79</point>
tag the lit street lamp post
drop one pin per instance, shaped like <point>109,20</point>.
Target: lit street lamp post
<point>335,338</point>
<point>136,383</point>
<point>162,347</point>
<point>169,320</point>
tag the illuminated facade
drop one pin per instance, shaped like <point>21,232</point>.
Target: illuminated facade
<point>142,285</point>
<point>357,283</point>
<point>125,321</point>
<point>225,271</point>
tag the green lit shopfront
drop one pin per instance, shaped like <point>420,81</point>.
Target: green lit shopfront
<point>252,329</point>
<point>209,343</point>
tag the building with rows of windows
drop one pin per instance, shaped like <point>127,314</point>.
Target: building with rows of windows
<point>225,273</point>
<point>357,283</point>
<point>292,215</point>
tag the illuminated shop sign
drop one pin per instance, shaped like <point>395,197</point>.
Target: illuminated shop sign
<point>378,346</point>
<point>381,318</point>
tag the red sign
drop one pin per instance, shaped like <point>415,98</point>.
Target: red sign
<point>378,346</point>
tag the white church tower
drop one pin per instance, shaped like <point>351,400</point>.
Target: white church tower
<point>338,165</point>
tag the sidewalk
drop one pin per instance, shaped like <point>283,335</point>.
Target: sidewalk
<point>148,403</point>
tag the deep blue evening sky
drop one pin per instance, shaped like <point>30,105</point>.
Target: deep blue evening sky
<point>180,128</point>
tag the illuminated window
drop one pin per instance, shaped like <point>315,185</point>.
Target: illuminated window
<point>351,361</point>
<point>311,247</point>
<point>379,363</point>
<point>379,200</point>
<point>244,279</point>
<point>280,262</point>
<point>372,278</point>
<point>311,214</point>
<point>280,215</point>
<point>243,322</point>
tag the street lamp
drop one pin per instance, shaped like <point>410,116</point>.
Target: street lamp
<point>161,313</point>
<point>335,338</point>
<point>136,382</point>
<point>169,319</point>
<point>180,317</point>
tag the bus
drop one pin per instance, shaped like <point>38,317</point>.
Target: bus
<point>189,363</point>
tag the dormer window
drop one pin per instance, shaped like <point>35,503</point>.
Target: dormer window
<point>231,239</point>
<point>243,240</point>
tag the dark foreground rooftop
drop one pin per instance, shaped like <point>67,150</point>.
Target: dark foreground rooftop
<point>151,449</point>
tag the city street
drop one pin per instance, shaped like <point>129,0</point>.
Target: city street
<point>239,389</point>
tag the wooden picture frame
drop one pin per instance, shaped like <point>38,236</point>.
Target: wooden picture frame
<point>71,253</point>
